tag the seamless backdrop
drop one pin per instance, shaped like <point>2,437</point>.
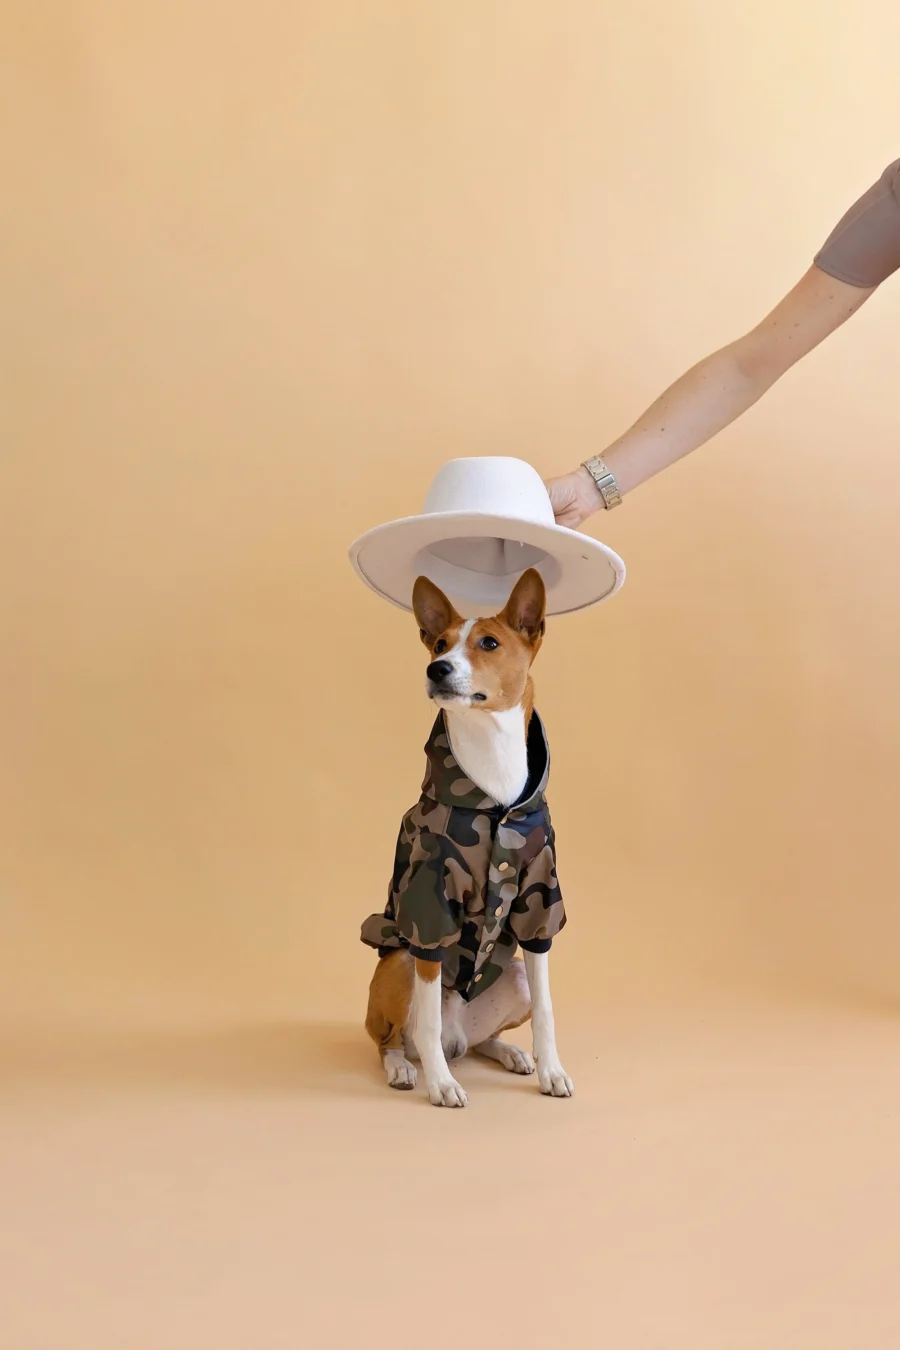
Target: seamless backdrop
<point>263,271</point>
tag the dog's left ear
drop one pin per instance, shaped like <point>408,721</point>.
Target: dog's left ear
<point>525,607</point>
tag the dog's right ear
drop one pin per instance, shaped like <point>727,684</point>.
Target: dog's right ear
<point>434,612</point>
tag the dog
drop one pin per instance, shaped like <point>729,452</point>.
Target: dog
<point>475,867</point>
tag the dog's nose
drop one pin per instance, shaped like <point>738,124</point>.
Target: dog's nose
<point>439,670</point>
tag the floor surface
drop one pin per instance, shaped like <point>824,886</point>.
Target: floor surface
<point>721,1181</point>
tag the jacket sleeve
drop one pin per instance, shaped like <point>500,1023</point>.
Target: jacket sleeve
<point>537,914</point>
<point>427,917</point>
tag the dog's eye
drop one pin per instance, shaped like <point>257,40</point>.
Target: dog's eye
<point>440,646</point>
<point>489,644</point>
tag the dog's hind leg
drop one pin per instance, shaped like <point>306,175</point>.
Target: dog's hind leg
<point>505,1005</point>
<point>390,997</point>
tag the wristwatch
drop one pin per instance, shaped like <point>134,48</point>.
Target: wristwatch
<point>605,481</point>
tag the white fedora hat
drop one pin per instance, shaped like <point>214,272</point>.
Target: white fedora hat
<point>485,521</point>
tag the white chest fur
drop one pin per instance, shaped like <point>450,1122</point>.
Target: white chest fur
<point>491,749</point>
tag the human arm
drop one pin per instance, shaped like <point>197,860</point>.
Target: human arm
<point>714,393</point>
<point>862,250</point>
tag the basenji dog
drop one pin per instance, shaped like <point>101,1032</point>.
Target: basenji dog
<point>475,874</point>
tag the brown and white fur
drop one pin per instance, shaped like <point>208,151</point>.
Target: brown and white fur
<point>479,674</point>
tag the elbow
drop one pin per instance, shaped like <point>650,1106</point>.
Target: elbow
<point>759,360</point>
<point>763,357</point>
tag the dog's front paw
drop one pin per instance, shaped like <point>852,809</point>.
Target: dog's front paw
<point>554,1081</point>
<point>447,1092</point>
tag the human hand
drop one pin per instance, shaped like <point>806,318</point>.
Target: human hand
<point>574,497</point>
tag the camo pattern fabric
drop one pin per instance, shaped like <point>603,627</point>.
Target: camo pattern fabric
<point>472,880</point>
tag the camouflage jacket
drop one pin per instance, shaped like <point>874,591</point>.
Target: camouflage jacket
<point>472,880</point>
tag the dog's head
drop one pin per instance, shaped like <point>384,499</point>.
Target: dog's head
<point>480,664</point>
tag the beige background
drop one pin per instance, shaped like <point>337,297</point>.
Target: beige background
<point>263,269</point>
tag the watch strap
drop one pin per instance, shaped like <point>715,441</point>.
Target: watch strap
<point>605,481</point>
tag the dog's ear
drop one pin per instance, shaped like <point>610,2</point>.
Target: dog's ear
<point>434,612</point>
<point>525,607</point>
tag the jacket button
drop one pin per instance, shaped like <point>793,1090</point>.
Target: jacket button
<point>503,867</point>
<point>499,910</point>
<point>477,978</point>
<point>488,948</point>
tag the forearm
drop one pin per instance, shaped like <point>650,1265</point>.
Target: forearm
<point>701,403</point>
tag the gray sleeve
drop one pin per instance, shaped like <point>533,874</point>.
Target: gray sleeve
<point>863,249</point>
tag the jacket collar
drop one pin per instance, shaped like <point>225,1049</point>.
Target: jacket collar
<point>446,783</point>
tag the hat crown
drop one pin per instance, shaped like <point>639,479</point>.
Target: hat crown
<point>490,485</point>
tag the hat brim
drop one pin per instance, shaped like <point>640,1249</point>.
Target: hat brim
<point>578,571</point>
